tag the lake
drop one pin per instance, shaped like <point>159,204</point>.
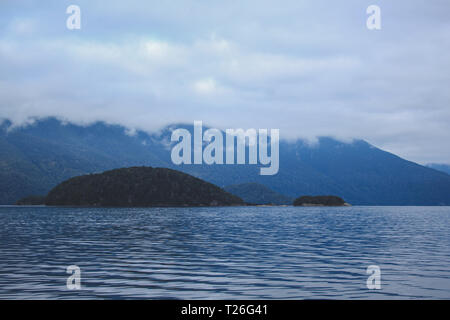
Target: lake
<point>225,253</point>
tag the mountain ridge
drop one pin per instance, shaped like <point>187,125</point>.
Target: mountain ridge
<point>443,167</point>
<point>35,158</point>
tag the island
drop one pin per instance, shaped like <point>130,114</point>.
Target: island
<point>139,187</point>
<point>320,201</point>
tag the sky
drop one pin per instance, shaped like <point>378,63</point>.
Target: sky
<point>308,68</point>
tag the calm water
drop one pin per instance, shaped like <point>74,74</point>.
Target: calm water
<point>225,253</point>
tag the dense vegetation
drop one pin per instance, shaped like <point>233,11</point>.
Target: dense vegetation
<point>139,187</point>
<point>36,158</point>
<point>319,201</point>
<point>257,193</point>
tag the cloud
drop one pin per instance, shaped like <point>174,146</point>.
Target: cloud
<point>205,86</point>
<point>309,68</point>
<point>20,27</point>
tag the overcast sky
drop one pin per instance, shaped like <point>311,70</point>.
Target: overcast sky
<point>310,68</point>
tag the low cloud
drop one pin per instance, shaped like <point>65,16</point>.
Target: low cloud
<point>307,68</point>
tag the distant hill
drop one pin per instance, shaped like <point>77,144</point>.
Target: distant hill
<point>31,201</point>
<point>36,158</point>
<point>257,193</point>
<point>139,187</point>
<point>440,167</point>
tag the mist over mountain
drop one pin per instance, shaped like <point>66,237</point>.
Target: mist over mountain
<point>440,166</point>
<point>35,158</point>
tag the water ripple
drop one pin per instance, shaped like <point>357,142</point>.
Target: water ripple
<point>225,253</point>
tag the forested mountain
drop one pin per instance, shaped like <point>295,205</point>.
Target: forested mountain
<point>35,158</point>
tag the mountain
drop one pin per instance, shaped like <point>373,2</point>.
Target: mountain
<point>440,167</point>
<point>35,158</point>
<point>31,201</point>
<point>257,193</point>
<point>139,187</point>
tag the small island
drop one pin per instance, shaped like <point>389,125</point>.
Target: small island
<point>139,187</point>
<point>320,201</point>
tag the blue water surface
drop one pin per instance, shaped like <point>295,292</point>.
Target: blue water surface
<point>225,253</point>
